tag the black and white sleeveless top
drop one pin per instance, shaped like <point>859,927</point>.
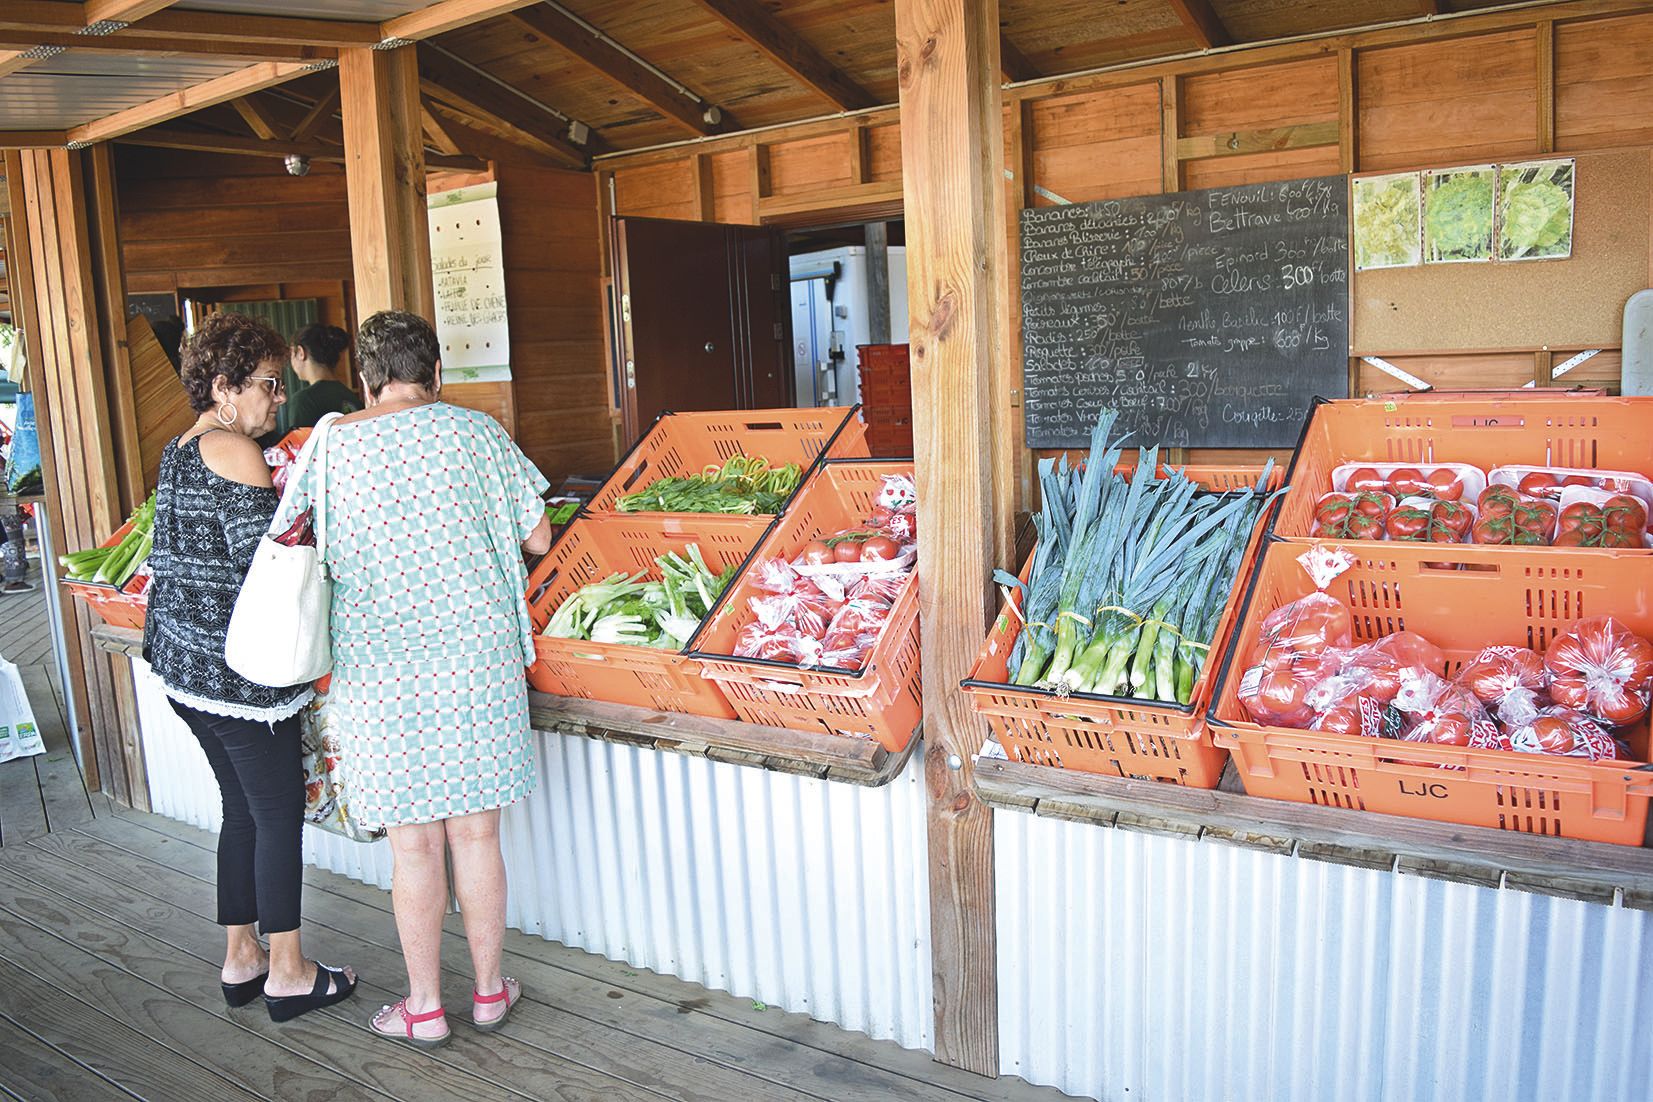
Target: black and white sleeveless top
<point>206,530</point>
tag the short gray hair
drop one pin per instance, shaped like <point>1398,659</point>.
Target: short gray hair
<point>394,346</point>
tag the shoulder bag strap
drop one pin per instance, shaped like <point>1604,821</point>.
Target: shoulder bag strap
<point>318,505</point>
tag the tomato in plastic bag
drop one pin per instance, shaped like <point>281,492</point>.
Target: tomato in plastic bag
<point>1603,668</point>
<point>1308,625</point>
<point>1566,732</point>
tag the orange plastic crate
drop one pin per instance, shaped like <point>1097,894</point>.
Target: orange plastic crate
<point>1568,430</point>
<point>681,444</point>
<point>592,548</point>
<point>1462,598</point>
<point>890,439</point>
<point>116,607</point>
<point>882,701</point>
<point>1118,736</point>
<point>886,381</point>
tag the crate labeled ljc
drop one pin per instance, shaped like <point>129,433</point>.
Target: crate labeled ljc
<point>881,700</point>
<point>1117,736</point>
<point>1462,598</point>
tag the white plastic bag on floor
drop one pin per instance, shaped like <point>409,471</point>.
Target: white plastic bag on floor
<point>19,737</point>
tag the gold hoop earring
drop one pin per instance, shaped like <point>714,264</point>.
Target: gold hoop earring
<point>229,421</point>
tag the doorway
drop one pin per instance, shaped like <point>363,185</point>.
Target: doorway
<point>848,289</point>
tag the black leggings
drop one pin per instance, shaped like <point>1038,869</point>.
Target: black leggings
<point>261,780</point>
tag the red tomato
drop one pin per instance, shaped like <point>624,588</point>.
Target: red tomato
<point>1552,734</point>
<point>1444,729</point>
<point>1584,518</point>
<point>1451,516</point>
<point>1279,699</point>
<point>1618,705</point>
<point>1579,480</point>
<point>1611,538</point>
<point>1538,517</point>
<point>816,552</point>
<point>1568,539</point>
<point>1540,484</point>
<point>846,551</point>
<point>1497,500</point>
<point>879,549</point>
<point>1570,691</point>
<point>1407,523</point>
<point>1366,478</point>
<point>1334,509</point>
<point>1372,504</point>
<point>1491,531</point>
<point>1445,484</point>
<point>1625,513</point>
<point>1362,527</point>
<point>1498,671</point>
<point>1344,718</point>
<point>1406,481</point>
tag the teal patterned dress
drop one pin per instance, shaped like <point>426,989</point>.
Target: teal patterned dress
<point>426,511</point>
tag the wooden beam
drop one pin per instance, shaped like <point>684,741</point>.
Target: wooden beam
<point>441,78</point>
<point>187,30</point>
<point>385,179</point>
<point>1430,7</point>
<point>33,139</point>
<point>265,74</point>
<point>13,60</point>
<point>486,144</point>
<point>774,40</point>
<point>1170,112</point>
<point>561,29</point>
<point>257,119</point>
<point>449,15</point>
<point>1348,112</point>
<point>127,43</point>
<point>1014,64</point>
<point>120,11</point>
<point>318,115</point>
<point>1235,142</point>
<point>160,137</point>
<point>1202,23</point>
<point>1545,34</point>
<point>952,152</point>
<point>435,134</point>
<point>705,196</point>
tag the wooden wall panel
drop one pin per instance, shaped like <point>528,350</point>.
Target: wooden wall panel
<point>664,190</point>
<point>1460,101</point>
<point>1258,168</point>
<point>553,281</point>
<point>1604,83</point>
<point>883,153</point>
<point>732,187</point>
<point>1103,145</point>
<point>815,164</point>
<point>1261,96</point>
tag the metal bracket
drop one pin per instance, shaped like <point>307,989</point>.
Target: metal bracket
<point>1388,368</point>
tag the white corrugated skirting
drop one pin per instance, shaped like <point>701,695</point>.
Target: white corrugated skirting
<point>1136,966</point>
<point>804,894</point>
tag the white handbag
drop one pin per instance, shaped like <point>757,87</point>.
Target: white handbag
<point>280,630</point>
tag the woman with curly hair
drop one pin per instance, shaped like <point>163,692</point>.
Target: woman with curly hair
<point>213,502</point>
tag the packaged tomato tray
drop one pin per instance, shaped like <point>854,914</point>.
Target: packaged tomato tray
<point>1360,515</point>
<point>1549,482</point>
<point>1427,520</point>
<point>1441,481</point>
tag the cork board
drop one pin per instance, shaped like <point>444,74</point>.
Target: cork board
<point>1573,303</point>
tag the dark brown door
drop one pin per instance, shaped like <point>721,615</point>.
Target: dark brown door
<point>702,322</point>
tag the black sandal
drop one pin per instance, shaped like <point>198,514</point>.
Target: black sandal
<point>284,1008</point>
<point>240,994</point>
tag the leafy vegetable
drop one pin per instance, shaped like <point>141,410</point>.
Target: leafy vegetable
<point>633,612</point>
<point>743,484</point>
<point>1457,220</point>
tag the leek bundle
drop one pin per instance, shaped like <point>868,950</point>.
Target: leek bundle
<point>1130,575</point>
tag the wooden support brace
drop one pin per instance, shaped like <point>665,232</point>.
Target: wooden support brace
<point>952,150</point>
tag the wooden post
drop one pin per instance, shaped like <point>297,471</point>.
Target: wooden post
<point>877,237</point>
<point>1348,112</point>
<point>59,308</point>
<point>1544,33</point>
<point>385,179</point>
<point>952,151</point>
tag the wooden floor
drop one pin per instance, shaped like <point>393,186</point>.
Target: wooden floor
<point>41,793</point>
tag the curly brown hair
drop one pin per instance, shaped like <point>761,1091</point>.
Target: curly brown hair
<point>230,347</point>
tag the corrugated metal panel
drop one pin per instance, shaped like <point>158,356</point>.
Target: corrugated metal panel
<point>1202,971</point>
<point>71,88</point>
<point>805,894</point>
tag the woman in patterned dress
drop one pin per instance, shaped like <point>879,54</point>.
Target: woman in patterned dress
<point>428,509</point>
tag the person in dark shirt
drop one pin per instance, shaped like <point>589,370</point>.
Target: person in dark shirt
<point>315,359</point>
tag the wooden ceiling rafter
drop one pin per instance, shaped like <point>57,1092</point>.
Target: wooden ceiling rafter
<point>257,118</point>
<point>1013,64</point>
<point>667,97</point>
<point>446,80</point>
<point>320,112</point>
<point>754,22</point>
<point>200,141</point>
<point>1202,23</point>
<point>436,133</point>
<point>468,134</point>
<point>449,15</point>
<point>230,86</point>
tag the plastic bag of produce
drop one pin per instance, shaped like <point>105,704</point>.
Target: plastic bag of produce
<point>1506,517</point>
<point>1508,681</point>
<point>1563,731</point>
<point>1395,661</point>
<point>780,643</point>
<point>1422,519</point>
<point>19,737</point>
<point>1600,518</point>
<point>1282,691</point>
<point>1308,625</point>
<point>853,632</point>
<point>1443,713</point>
<point>23,465</point>
<point>1601,667</point>
<point>1549,482</point>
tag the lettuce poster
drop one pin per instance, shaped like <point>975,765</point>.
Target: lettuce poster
<point>1457,214</point>
<point>1535,210</point>
<point>1387,213</point>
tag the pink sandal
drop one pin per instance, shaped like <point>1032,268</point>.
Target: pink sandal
<point>409,1020</point>
<point>503,995</point>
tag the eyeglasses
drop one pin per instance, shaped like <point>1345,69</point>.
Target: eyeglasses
<point>276,384</point>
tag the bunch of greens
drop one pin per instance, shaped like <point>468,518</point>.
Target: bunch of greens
<point>1130,575</point>
<point>115,565</point>
<point>744,485</point>
<point>627,609</point>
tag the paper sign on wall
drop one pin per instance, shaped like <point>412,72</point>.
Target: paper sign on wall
<point>467,261</point>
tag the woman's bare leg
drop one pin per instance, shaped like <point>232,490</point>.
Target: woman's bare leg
<point>479,882</point>
<point>419,895</point>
